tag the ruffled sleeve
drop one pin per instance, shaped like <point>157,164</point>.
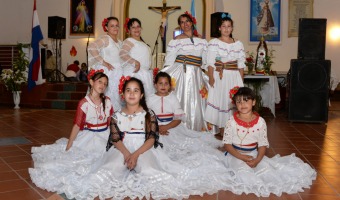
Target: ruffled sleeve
<point>171,53</point>
<point>95,48</point>
<point>114,133</point>
<point>241,57</point>
<point>178,111</point>
<point>154,130</point>
<point>211,54</point>
<point>124,53</point>
<point>228,132</point>
<point>80,117</point>
<point>262,136</point>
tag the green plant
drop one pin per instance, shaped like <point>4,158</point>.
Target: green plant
<point>15,77</point>
<point>268,61</point>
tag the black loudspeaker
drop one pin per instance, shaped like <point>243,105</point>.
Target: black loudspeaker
<point>312,38</point>
<point>309,87</point>
<point>56,27</point>
<point>214,22</point>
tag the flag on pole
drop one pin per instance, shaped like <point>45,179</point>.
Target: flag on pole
<point>193,10</point>
<point>34,70</point>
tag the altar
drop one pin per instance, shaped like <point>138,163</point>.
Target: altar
<point>269,92</point>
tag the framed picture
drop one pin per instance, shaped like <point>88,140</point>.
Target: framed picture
<point>82,15</point>
<point>298,9</point>
<point>265,20</point>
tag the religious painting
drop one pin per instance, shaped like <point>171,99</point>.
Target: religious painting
<point>82,16</point>
<point>265,20</point>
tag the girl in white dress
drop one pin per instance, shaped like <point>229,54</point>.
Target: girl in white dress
<point>65,160</point>
<point>137,167</point>
<point>103,53</point>
<point>184,59</point>
<point>135,55</point>
<point>179,142</point>
<point>245,140</point>
<point>225,63</point>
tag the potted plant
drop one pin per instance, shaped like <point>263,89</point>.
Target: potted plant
<point>17,76</point>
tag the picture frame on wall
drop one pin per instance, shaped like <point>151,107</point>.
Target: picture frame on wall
<point>298,9</point>
<point>265,20</point>
<point>82,17</point>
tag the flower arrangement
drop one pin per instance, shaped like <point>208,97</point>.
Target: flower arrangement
<point>15,77</point>
<point>93,72</point>
<point>232,92</point>
<point>268,61</point>
<point>121,84</point>
<point>250,62</point>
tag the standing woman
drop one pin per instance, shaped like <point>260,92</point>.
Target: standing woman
<point>183,62</point>
<point>225,63</point>
<point>104,54</point>
<point>135,55</point>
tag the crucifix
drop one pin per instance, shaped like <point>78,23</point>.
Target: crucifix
<point>164,10</point>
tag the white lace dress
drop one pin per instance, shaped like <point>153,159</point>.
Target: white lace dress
<point>155,175</point>
<point>134,50</point>
<point>191,82</point>
<point>106,49</point>
<point>54,167</point>
<point>277,175</point>
<point>219,105</point>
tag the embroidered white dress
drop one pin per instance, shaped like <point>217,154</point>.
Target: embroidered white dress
<point>219,105</point>
<point>134,50</point>
<point>277,175</point>
<point>155,175</point>
<point>181,142</point>
<point>191,82</point>
<point>106,49</point>
<point>54,167</point>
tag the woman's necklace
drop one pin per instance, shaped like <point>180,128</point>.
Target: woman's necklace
<point>191,37</point>
<point>97,107</point>
<point>132,114</point>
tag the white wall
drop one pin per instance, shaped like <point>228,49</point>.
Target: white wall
<point>16,22</point>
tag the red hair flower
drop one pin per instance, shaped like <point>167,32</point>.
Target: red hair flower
<point>125,24</point>
<point>232,92</point>
<point>122,81</point>
<point>93,72</point>
<point>155,72</point>
<point>104,24</point>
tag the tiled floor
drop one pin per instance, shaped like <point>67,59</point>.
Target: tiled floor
<point>317,144</point>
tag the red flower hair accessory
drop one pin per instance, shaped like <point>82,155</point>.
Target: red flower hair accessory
<point>194,22</point>
<point>94,72</point>
<point>232,92</point>
<point>155,72</point>
<point>104,24</point>
<point>125,24</point>
<point>122,81</point>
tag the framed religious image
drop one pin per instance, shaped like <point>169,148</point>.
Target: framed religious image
<point>265,20</point>
<point>298,9</point>
<point>82,15</point>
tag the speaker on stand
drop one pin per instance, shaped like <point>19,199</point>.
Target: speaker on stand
<point>57,31</point>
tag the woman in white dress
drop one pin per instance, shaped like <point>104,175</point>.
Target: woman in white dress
<point>184,59</point>
<point>245,140</point>
<point>135,55</point>
<point>225,63</point>
<point>66,159</point>
<point>104,54</point>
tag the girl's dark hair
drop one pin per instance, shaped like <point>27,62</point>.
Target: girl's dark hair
<point>97,76</point>
<point>142,101</point>
<point>129,25</point>
<point>162,75</point>
<point>245,93</point>
<point>225,19</point>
